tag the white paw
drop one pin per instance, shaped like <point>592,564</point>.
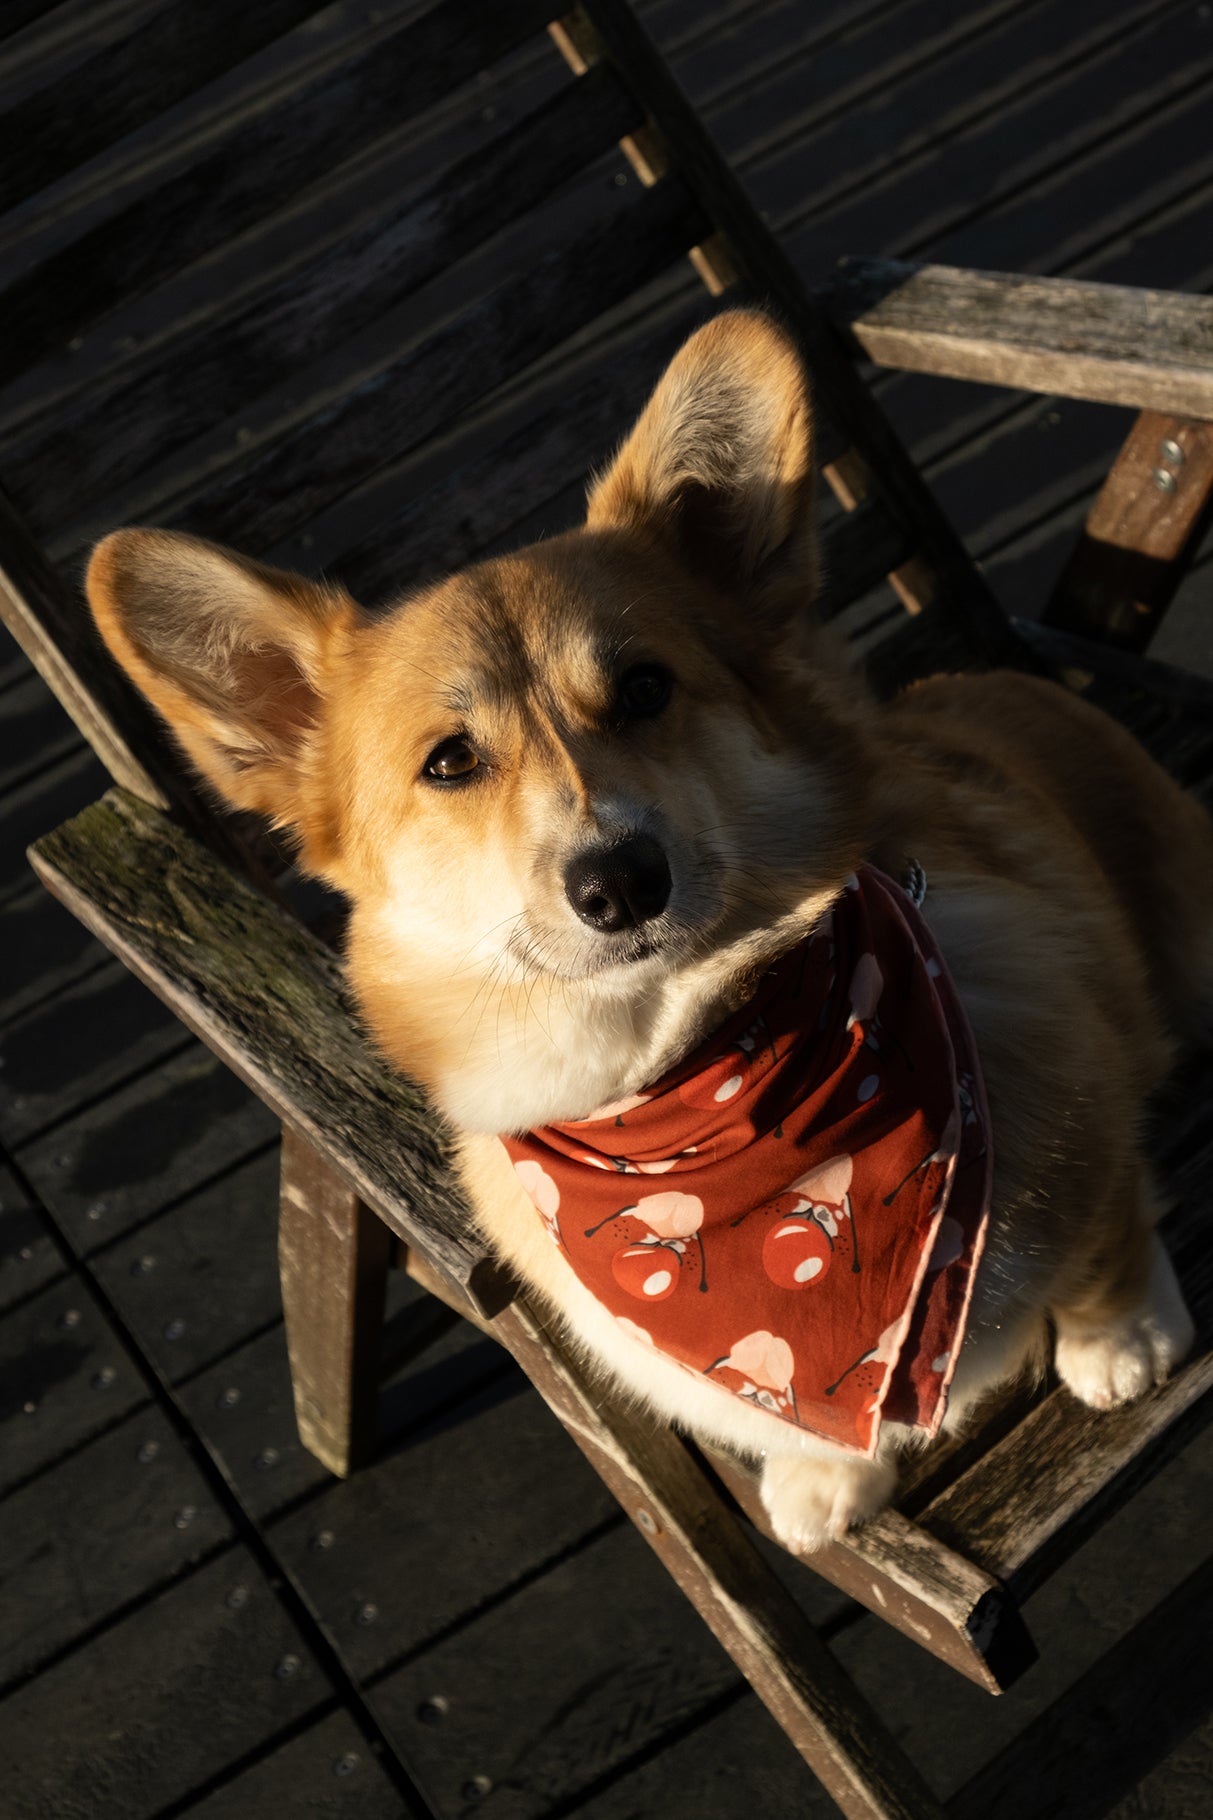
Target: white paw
<point>1124,1360</point>
<point>816,1500</point>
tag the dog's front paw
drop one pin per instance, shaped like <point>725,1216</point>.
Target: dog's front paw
<point>1121,1361</point>
<point>816,1500</point>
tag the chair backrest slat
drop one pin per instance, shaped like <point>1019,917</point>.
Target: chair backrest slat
<point>182,385</point>
<point>122,86</point>
<point>267,157</point>
<point>302,464</point>
<point>954,603</point>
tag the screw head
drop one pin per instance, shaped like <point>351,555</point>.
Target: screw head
<point>143,1266</point>
<point>367,1613</point>
<point>1164,480</point>
<point>147,1451</point>
<point>347,1763</point>
<point>267,1459</point>
<point>228,1398</point>
<point>104,1378</point>
<point>174,1329</point>
<point>26,1252</point>
<point>69,1319</point>
<point>476,1788</point>
<point>324,1538</point>
<point>287,1668</point>
<point>185,1516</point>
<point>648,1522</point>
<point>236,1598</point>
<point>98,1210</point>
<point>29,1407</point>
<point>434,1710</point>
<point>1171,451</point>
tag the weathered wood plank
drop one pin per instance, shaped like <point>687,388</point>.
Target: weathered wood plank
<point>243,1412</point>
<point>137,1693</point>
<point>1028,1503</point>
<point>734,1764</point>
<point>64,1376</point>
<point>323,120</point>
<point>44,951</point>
<point>691,1528</point>
<point>113,1522</point>
<point>270,1000</point>
<point>1081,1755</point>
<point>34,731</point>
<point>194,1283</point>
<point>425,1564</point>
<point>435,511</point>
<point>907,1577</point>
<point>76,1046</point>
<point>858,549</point>
<point>329,1773</point>
<point>332,287</point>
<point>1151,349</point>
<point>956,595</point>
<point>118,88</point>
<point>156,1139</point>
<point>1114,672</point>
<point>1141,532</point>
<point>333,1253</point>
<point>30,1256</point>
<point>304,460</point>
<point>888,182</point>
<point>546,1693</point>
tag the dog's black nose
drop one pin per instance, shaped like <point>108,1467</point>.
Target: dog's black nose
<point>617,887</point>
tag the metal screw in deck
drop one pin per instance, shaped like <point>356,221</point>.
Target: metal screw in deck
<point>1171,451</point>
<point>1164,480</point>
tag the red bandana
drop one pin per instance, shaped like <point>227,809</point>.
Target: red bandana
<point>829,1162</point>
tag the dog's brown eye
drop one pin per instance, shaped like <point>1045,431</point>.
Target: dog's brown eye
<point>644,690</point>
<point>453,762</point>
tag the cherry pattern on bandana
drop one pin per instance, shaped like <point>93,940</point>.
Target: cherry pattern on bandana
<point>824,1164</point>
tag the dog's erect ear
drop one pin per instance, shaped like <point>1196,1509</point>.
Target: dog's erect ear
<point>720,464</point>
<point>234,655</point>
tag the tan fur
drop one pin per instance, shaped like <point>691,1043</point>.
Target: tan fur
<point>1069,879</point>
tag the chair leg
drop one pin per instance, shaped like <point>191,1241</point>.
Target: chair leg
<point>690,1525</point>
<point>1141,533</point>
<point>333,1255</point>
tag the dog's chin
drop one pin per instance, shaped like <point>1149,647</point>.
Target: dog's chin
<point>607,960</point>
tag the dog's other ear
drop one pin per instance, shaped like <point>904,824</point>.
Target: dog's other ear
<point>720,465</point>
<point>234,655</point>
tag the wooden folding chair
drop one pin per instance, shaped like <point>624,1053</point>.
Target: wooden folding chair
<point>347,382</point>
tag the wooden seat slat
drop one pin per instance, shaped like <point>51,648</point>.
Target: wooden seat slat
<point>297,138</point>
<point>207,370</point>
<point>303,462</point>
<point>1029,1502</point>
<point>858,549</point>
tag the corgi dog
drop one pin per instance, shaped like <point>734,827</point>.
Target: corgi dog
<point>583,799</point>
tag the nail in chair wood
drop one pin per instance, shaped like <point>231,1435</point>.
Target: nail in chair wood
<point>290,409</point>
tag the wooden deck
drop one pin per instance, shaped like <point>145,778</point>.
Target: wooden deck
<point>194,1617</point>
